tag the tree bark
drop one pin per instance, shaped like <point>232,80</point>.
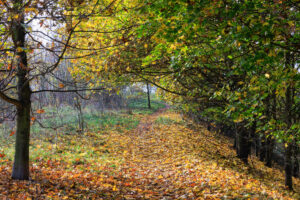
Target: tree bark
<point>148,95</point>
<point>288,167</point>
<point>262,152</point>
<point>254,138</point>
<point>21,160</point>
<point>244,145</point>
<point>269,152</point>
<point>295,160</point>
<point>288,150</point>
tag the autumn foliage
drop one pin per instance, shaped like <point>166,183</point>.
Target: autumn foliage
<point>163,158</point>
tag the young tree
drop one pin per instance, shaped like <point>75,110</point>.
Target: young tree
<point>35,36</point>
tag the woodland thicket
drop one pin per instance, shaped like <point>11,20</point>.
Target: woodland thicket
<point>233,64</point>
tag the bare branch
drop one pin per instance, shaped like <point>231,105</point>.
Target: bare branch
<point>9,99</point>
<point>74,90</point>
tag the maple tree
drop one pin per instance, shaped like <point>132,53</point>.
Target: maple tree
<point>29,30</point>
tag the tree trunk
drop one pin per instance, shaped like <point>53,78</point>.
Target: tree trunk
<point>269,152</point>
<point>288,167</point>
<point>79,114</point>
<point>295,160</point>
<point>269,143</point>
<point>235,146</point>
<point>257,145</point>
<point>254,137</point>
<point>148,94</point>
<point>21,160</point>
<point>288,150</point>
<point>244,145</point>
<point>262,152</point>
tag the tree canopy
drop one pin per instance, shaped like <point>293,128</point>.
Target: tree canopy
<point>234,63</point>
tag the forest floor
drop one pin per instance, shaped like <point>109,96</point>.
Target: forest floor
<point>164,157</point>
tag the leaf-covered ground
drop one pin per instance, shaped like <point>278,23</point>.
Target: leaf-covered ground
<point>163,158</point>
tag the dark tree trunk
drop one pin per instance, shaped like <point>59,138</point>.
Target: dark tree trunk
<point>235,146</point>
<point>21,160</point>
<point>269,152</point>
<point>244,145</point>
<point>148,95</point>
<point>269,143</point>
<point>288,115</point>
<point>254,137</point>
<point>257,145</point>
<point>288,167</point>
<point>262,152</point>
<point>295,161</point>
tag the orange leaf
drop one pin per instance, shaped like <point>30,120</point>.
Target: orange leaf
<point>12,133</point>
<point>61,85</point>
<point>2,155</point>
<point>40,111</point>
<point>33,119</point>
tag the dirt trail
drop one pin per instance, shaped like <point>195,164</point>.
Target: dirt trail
<point>170,161</point>
<point>152,157</point>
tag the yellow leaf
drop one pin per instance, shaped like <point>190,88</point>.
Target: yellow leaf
<point>240,119</point>
<point>173,46</point>
<point>19,49</point>
<point>267,75</point>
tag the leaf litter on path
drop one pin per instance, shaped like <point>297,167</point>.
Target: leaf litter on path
<point>154,161</point>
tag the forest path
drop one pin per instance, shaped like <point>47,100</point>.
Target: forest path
<point>153,155</point>
<point>168,160</point>
<point>163,158</point>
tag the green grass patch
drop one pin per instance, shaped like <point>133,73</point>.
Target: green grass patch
<point>111,120</point>
<point>68,144</point>
<point>66,119</point>
<point>140,106</point>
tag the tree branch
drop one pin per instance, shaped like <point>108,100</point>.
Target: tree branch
<point>9,99</point>
<point>75,90</point>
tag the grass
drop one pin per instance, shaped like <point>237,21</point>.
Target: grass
<point>49,143</point>
<point>140,106</point>
<point>64,144</point>
<point>110,120</point>
<point>67,120</point>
